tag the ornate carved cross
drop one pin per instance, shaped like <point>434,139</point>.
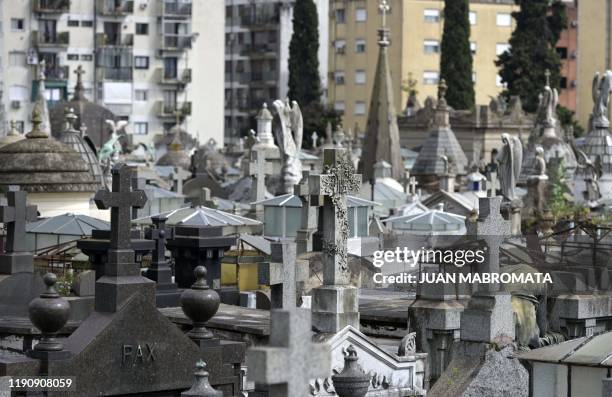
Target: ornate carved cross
<point>15,215</point>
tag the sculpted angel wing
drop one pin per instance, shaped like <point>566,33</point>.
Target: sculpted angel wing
<point>517,149</point>
<point>604,89</point>
<point>596,87</point>
<point>297,124</point>
<point>121,125</point>
<point>284,128</point>
<point>111,124</point>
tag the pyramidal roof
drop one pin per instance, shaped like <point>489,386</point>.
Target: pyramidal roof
<point>441,143</point>
<point>382,140</point>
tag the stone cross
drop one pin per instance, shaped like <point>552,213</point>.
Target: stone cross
<point>291,360</point>
<point>493,229</point>
<point>281,274</point>
<point>412,183</point>
<point>384,9</point>
<point>309,213</point>
<point>179,176</point>
<point>204,199</point>
<point>121,201</point>
<point>15,215</point>
<point>159,270</point>
<point>337,180</point>
<point>493,180</point>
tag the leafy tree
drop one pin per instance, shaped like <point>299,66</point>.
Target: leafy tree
<point>539,24</point>
<point>456,58</point>
<point>567,119</point>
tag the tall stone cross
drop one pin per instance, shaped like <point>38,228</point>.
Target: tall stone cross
<point>121,201</point>
<point>159,270</point>
<point>15,215</point>
<point>309,220</point>
<point>291,359</point>
<point>384,9</point>
<point>281,274</point>
<point>492,229</point>
<point>334,184</point>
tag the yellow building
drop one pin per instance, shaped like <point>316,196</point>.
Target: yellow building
<point>416,32</point>
<point>594,50</point>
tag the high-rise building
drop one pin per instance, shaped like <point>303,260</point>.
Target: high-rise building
<point>143,60</point>
<point>567,48</point>
<point>257,37</point>
<point>414,54</point>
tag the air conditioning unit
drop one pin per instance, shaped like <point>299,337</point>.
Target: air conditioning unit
<point>574,24</point>
<point>32,57</point>
<point>15,104</point>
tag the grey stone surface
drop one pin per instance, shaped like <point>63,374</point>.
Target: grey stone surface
<point>607,387</point>
<point>14,215</point>
<point>487,317</point>
<point>85,283</point>
<point>167,293</point>
<point>291,360</point>
<point>281,274</point>
<point>309,221</point>
<point>201,387</point>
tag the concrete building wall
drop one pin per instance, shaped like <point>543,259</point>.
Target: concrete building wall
<point>567,48</point>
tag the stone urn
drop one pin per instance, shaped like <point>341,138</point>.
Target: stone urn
<point>352,381</point>
<point>200,304</point>
<point>49,313</point>
<point>201,386</point>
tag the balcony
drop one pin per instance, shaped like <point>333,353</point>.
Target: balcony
<point>176,42</point>
<point>113,8</point>
<point>50,6</point>
<point>167,110</point>
<point>177,9</point>
<point>56,73</point>
<point>181,77</point>
<point>45,39</point>
<point>117,74</point>
<point>260,20</point>
<point>114,40</point>
<point>257,49</point>
<point>267,76</point>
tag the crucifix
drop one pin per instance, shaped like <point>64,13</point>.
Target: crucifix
<point>15,215</point>
<point>337,180</point>
<point>281,274</point>
<point>78,88</point>
<point>412,186</point>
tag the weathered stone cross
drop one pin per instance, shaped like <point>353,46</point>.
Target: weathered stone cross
<point>121,201</point>
<point>337,180</point>
<point>308,223</point>
<point>291,360</point>
<point>15,215</point>
<point>281,274</point>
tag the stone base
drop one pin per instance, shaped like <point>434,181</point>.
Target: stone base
<point>17,291</point>
<point>167,295</point>
<point>16,262</point>
<point>487,317</point>
<point>334,307</point>
<point>223,363</point>
<point>112,292</point>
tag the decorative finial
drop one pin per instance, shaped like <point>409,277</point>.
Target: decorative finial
<point>383,32</point>
<point>13,131</point>
<point>200,304</point>
<point>201,386</point>
<point>442,87</point>
<point>547,75</point>
<point>352,381</point>
<point>69,120</point>
<point>36,132</point>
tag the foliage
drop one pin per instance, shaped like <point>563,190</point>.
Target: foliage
<point>558,191</point>
<point>316,116</point>
<point>456,57</point>
<point>539,24</point>
<point>64,283</point>
<point>566,118</point>
<point>304,78</point>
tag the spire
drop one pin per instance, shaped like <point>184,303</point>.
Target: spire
<point>382,134</point>
<point>41,100</point>
<point>78,88</point>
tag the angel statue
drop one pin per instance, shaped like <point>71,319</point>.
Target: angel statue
<point>110,150</point>
<point>593,170</point>
<point>601,97</point>
<point>288,134</point>
<point>510,165</point>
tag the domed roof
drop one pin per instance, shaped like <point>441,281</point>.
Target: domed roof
<point>12,136</point>
<point>43,165</point>
<point>88,113</point>
<point>176,155</point>
<point>78,141</point>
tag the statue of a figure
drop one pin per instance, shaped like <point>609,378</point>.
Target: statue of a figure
<point>593,171</point>
<point>109,152</point>
<point>540,167</point>
<point>601,97</point>
<point>289,132</point>
<point>510,165</point>
<point>549,99</point>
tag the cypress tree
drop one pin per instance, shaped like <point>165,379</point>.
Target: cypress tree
<point>456,58</point>
<point>304,79</point>
<point>532,50</point>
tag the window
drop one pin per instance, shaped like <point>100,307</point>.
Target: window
<point>562,51</point>
<point>430,77</point>
<point>339,77</point>
<point>473,47</point>
<point>431,46</point>
<point>17,58</point>
<point>53,94</point>
<point>141,95</point>
<point>504,19</point>
<point>141,128</point>
<point>473,18</point>
<point>340,46</point>
<point>73,57</point>
<point>360,108</point>
<point>360,77</point>
<point>563,82</point>
<point>500,48</point>
<point>498,81</point>
<point>73,23</point>
<point>87,24</point>
<point>340,16</point>
<point>431,15</point>
<point>86,57</point>
<point>360,46</point>
<point>339,106</point>
<point>142,28</point>
<point>361,14</point>
<point>17,24</point>
<point>141,62</point>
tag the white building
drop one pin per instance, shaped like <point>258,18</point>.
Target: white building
<point>143,59</point>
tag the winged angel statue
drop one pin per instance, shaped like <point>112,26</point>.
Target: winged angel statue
<point>510,165</point>
<point>601,97</point>
<point>289,132</point>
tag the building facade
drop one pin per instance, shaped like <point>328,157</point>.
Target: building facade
<point>143,60</point>
<point>414,55</point>
<point>567,48</point>
<point>257,37</point>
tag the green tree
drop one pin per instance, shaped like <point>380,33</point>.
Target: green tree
<point>304,78</point>
<point>456,58</point>
<point>539,24</point>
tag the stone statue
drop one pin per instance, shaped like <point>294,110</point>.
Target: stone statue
<point>549,99</point>
<point>601,97</point>
<point>593,171</point>
<point>540,168</point>
<point>109,152</point>
<point>289,134</point>
<point>510,165</point>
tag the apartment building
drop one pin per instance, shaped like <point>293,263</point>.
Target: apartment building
<point>143,60</point>
<point>567,48</point>
<point>257,37</point>
<point>414,54</point>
